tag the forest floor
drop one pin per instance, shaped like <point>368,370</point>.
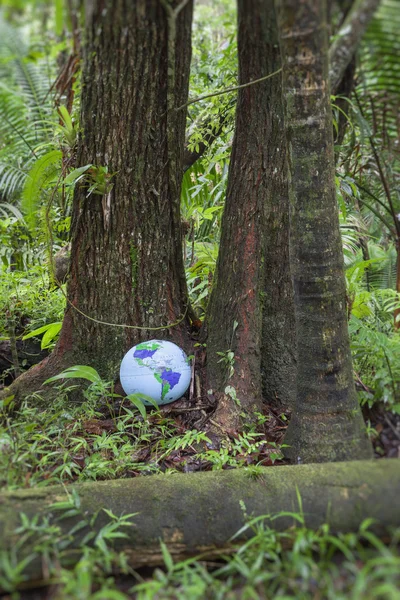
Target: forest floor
<point>107,438</point>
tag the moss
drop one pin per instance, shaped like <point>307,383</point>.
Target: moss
<point>207,508</point>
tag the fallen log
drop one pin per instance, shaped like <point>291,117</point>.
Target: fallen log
<point>200,512</point>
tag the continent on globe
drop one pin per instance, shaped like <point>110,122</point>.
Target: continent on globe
<point>144,353</point>
<point>145,350</point>
<point>168,380</point>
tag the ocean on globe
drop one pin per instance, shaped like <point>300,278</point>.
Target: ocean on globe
<point>158,369</point>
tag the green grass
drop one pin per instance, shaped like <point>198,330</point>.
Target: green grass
<point>299,563</point>
<point>108,438</point>
<point>104,439</point>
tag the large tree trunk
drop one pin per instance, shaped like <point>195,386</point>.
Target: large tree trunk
<point>199,513</point>
<point>327,424</point>
<point>253,256</point>
<point>126,257</point>
<point>278,344</point>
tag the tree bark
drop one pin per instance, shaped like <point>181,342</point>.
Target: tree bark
<point>278,343</point>
<point>348,38</point>
<point>199,513</point>
<point>256,190</point>
<point>126,256</point>
<point>327,423</point>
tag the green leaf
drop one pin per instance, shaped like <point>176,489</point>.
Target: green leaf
<point>7,401</point>
<point>40,177</point>
<point>76,173</point>
<point>169,563</point>
<point>50,330</point>
<point>108,594</point>
<point>66,117</point>
<point>144,397</point>
<point>77,372</point>
<point>136,401</point>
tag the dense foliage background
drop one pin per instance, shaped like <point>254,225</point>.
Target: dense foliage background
<point>37,175</point>
<point>39,124</point>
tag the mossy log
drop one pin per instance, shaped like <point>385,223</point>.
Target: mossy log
<point>200,512</point>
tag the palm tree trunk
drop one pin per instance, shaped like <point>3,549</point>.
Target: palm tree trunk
<point>327,423</point>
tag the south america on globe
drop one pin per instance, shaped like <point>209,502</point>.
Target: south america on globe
<point>156,368</point>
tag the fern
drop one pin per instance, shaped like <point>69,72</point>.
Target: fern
<point>379,82</point>
<point>43,173</point>
<point>25,111</point>
<point>6,208</point>
<point>29,77</point>
<point>383,273</point>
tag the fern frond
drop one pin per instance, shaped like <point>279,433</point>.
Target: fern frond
<point>42,175</point>
<point>30,78</point>
<point>11,179</point>
<point>6,208</point>
<point>383,274</point>
<point>26,130</point>
<point>379,84</point>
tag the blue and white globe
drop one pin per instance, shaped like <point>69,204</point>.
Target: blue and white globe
<point>158,369</point>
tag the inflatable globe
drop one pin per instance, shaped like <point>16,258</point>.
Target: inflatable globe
<point>158,369</point>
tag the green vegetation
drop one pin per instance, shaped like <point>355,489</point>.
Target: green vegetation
<point>299,563</point>
<point>109,436</point>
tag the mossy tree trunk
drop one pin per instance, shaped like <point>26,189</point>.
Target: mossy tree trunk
<point>126,256</point>
<point>327,424</point>
<point>198,513</point>
<point>253,255</point>
<point>278,344</point>
<point>348,38</point>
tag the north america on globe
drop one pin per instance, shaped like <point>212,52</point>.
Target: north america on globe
<point>168,378</point>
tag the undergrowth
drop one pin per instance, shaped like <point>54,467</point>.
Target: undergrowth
<point>297,563</point>
<point>108,438</point>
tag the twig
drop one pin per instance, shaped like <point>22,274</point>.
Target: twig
<point>396,433</point>
<point>198,386</point>
<point>189,409</point>
<point>191,390</point>
<point>228,90</point>
<point>219,426</point>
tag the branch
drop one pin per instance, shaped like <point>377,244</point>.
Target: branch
<point>190,156</point>
<point>229,89</point>
<point>340,55</point>
<point>348,39</point>
<point>205,124</point>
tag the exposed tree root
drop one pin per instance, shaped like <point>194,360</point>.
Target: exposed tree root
<point>31,382</point>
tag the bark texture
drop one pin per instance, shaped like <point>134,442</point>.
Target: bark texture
<point>278,344</point>
<point>327,424</point>
<point>234,318</point>
<point>348,38</point>
<point>126,255</point>
<point>201,512</point>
